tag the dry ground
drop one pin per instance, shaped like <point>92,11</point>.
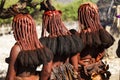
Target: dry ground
<point>7,41</point>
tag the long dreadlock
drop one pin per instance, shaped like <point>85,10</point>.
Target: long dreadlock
<point>92,19</point>
<point>58,33</point>
<point>25,32</point>
<point>59,40</point>
<point>24,29</point>
<point>95,37</point>
<point>92,31</point>
<point>52,23</point>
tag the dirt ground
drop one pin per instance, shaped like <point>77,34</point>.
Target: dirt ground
<point>7,41</point>
<point>114,68</point>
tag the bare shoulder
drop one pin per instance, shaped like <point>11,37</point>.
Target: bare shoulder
<point>15,51</point>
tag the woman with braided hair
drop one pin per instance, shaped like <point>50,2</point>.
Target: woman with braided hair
<point>57,37</point>
<point>28,52</point>
<point>94,36</point>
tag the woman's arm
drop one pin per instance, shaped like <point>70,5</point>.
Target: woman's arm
<point>100,56</point>
<point>11,73</point>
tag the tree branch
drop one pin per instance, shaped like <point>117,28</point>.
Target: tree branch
<point>2,5</point>
<point>19,7</point>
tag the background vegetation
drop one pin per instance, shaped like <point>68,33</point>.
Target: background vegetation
<point>69,10</point>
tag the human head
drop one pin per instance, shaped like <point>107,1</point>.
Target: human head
<point>53,24</point>
<point>88,16</point>
<point>25,34</point>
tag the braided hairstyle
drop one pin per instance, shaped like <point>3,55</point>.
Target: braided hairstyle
<point>94,36</point>
<point>89,22</point>
<point>52,21</point>
<point>59,39</point>
<point>53,24</point>
<point>32,53</point>
<point>25,32</point>
<point>88,17</point>
<point>58,33</point>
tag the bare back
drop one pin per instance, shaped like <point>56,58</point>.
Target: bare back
<point>17,72</point>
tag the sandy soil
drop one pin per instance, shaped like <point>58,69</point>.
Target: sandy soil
<point>7,41</point>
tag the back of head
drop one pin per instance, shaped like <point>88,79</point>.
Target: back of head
<point>53,24</point>
<point>90,6</point>
<point>24,29</point>
<point>52,21</point>
<point>88,16</point>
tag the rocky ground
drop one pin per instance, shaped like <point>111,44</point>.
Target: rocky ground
<point>7,41</point>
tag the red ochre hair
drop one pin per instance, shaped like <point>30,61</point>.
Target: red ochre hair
<point>54,12</point>
<point>88,16</point>
<point>24,29</point>
<point>53,23</point>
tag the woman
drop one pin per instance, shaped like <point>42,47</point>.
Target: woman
<point>28,52</point>
<point>57,37</point>
<point>94,36</point>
